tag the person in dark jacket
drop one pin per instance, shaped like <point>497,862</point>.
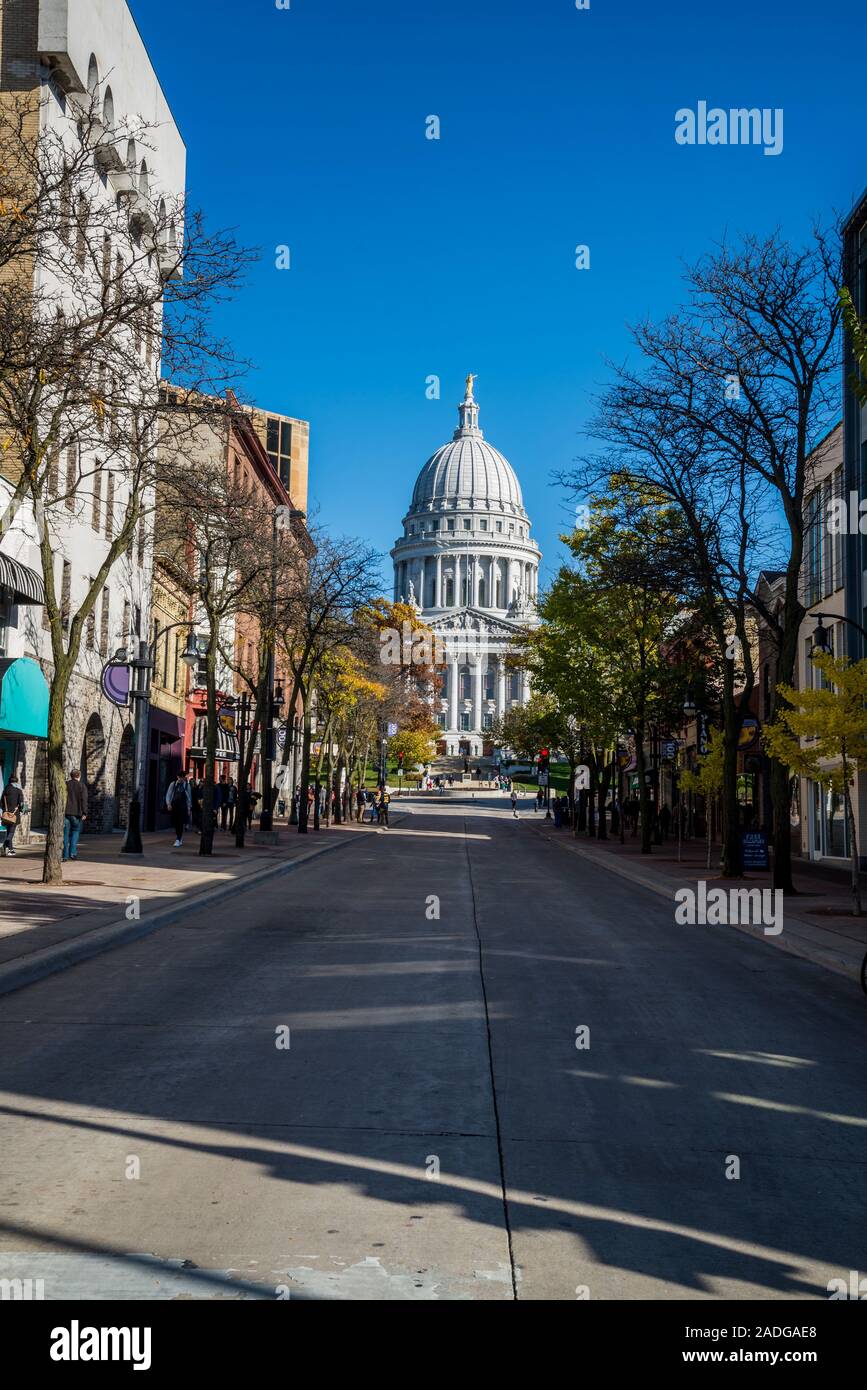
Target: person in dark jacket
<point>11,804</point>
<point>231,805</point>
<point>75,814</point>
<point>179,804</point>
<point>197,792</point>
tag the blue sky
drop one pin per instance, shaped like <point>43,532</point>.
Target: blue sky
<point>413,257</point>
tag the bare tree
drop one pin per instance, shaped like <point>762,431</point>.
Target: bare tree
<point>752,363</point>
<point>206,510</point>
<point>318,617</point>
<point>97,288</point>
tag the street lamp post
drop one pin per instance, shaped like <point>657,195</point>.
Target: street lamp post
<point>242,728</point>
<point>821,641</point>
<point>142,667</point>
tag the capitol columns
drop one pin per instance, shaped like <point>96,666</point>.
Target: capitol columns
<point>477,691</point>
<point>438,594</point>
<point>501,686</point>
<point>454,691</point>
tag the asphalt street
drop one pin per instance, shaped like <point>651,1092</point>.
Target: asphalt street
<point>362,1082</point>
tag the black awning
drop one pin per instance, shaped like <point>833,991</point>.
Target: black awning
<point>23,584</point>
<point>227,743</point>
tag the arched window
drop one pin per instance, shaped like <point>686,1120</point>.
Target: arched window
<point>108,110</point>
<point>92,75</point>
<point>162,226</point>
<point>483,593</point>
<point>143,180</point>
<point>131,157</point>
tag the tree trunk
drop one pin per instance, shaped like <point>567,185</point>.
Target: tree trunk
<point>52,866</point>
<point>317,786</point>
<point>731,859</point>
<point>604,784</point>
<point>779,774</point>
<point>303,807</point>
<point>643,792</point>
<point>779,777</point>
<point>853,838</point>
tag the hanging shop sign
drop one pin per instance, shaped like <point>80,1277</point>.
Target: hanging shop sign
<point>115,684</point>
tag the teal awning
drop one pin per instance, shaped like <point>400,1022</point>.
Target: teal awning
<point>23,699</point>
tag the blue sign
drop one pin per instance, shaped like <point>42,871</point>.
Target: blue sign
<point>754,845</point>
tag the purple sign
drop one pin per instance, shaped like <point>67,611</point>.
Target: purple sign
<point>115,684</point>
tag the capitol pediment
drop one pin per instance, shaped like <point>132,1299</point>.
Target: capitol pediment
<point>475,620</point>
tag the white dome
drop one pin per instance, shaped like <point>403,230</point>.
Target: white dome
<point>468,470</point>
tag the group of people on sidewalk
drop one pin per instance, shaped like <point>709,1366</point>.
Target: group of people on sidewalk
<point>377,802</point>
<point>185,799</point>
<point>13,806</point>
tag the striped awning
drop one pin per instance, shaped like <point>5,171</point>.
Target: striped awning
<point>227,743</point>
<point>23,584</point>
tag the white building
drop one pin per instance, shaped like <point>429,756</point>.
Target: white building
<point>71,53</point>
<point>467,560</point>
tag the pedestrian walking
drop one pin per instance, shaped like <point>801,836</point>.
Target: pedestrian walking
<point>219,803</point>
<point>514,803</point>
<point>75,814</point>
<point>197,795</point>
<point>383,804</point>
<point>231,804</point>
<point>360,799</point>
<point>12,808</point>
<point>665,821</point>
<point>179,804</point>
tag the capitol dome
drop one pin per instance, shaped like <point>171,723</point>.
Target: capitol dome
<point>468,470</point>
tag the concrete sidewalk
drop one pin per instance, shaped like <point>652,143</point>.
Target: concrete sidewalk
<point>817,923</point>
<point>109,898</point>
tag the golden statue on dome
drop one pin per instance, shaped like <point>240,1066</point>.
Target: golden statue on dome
<point>470,379</point>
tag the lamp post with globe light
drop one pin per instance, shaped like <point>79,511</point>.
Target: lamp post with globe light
<point>821,636</point>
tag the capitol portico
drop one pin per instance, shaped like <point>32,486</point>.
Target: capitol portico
<point>467,561</point>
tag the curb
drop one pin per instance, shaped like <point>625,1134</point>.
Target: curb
<point>52,959</point>
<point>827,958</point>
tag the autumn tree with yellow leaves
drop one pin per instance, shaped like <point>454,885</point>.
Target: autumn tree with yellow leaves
<point>822,734</point>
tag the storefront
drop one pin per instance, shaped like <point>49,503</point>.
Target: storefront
<point>227,747</point>
<point>828,827</point>
<point>23,710</point>
<point>23,688</point>
<point>166,736</point>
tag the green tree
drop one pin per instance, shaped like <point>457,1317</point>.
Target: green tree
<point>622,605</point>
<point>708,777</point>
